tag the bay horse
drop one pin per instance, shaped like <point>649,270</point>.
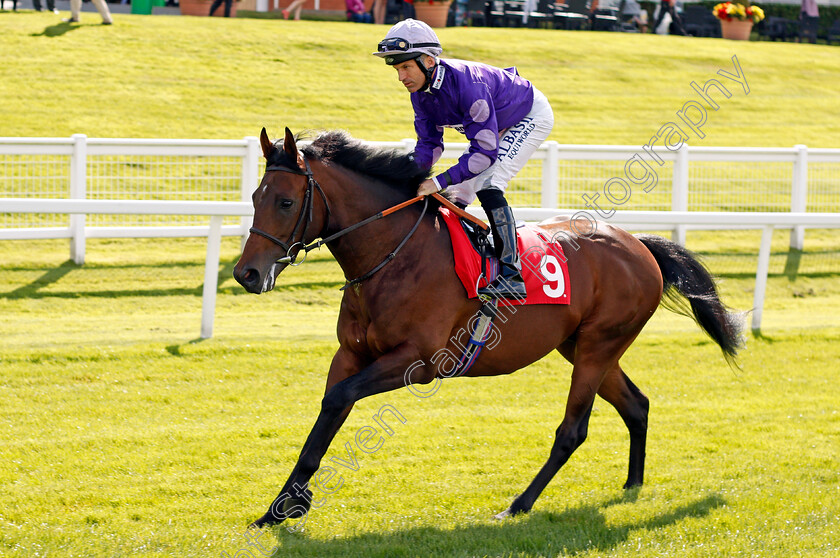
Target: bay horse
<point>405,302</point>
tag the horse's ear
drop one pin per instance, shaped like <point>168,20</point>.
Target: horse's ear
<point>290,146</point>
<point>267,147</point>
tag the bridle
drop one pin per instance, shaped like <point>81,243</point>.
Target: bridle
<point>305,219</point>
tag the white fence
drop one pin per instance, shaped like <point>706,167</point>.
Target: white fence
<point>110,181</point>
<point>216,211</point>
<point>123,169</point>
<point>797,179</point>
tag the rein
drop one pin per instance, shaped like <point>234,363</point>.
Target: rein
<point>307,207</point>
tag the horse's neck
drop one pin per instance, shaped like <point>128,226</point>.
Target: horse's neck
<point>353,199</point>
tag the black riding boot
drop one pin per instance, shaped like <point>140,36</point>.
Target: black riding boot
<point>509,282</point>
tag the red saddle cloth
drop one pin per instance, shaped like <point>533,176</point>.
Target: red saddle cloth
<point>543,263</point>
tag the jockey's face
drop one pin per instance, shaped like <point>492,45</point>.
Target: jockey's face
<point>410,75</point>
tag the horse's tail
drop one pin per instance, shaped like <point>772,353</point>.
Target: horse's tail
<point>686,279</point>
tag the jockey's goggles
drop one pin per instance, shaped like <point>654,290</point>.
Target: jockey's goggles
<point>396,43</point>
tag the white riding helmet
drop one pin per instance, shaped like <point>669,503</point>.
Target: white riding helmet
<point>407,40</point>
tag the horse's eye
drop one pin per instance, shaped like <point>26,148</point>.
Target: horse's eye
<point>285,204</point>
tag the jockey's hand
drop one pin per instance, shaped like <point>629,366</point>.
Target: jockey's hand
<point>427,187</point>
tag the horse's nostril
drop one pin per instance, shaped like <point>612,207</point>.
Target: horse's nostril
<point>249,278</point>
<point>252,276</point>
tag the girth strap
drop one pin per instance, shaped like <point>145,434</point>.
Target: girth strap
<point>479,336</point>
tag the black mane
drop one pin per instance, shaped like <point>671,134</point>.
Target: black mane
<point>392,167</point>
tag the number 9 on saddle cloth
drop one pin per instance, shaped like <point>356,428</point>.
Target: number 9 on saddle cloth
<point>544,270</point>
<point>544,265</point>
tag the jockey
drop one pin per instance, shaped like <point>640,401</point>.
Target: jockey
<point>503,116</point>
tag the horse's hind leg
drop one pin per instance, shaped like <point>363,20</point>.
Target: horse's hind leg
<point>592,361</point>
<point>632,406</point>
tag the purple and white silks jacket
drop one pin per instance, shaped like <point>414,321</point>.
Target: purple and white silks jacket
<point>477,100</point>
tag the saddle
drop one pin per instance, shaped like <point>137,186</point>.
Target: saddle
<point>543,261</point>
<point>480,239</point>
<point>543,268</point>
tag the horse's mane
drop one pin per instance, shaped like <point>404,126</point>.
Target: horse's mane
<point>396,169</point>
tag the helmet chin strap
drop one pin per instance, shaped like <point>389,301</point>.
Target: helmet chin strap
<point>428,72</point>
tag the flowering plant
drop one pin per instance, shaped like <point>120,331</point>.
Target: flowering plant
<point>727,11</point>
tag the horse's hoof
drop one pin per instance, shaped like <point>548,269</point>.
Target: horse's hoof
<point>514,509</point>
<point>503,515</point>
<point>258,524</point>
<point>265,521</point>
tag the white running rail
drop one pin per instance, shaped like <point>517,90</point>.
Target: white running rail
<point>216,211</point>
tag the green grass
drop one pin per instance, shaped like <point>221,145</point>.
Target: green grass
<point>155,76</point>
<point>173,77</point>
<point>124,435</point>
<point>121,434</point>
<point>164,452</point>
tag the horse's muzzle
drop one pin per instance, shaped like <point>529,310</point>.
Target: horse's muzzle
<point>253,281</point>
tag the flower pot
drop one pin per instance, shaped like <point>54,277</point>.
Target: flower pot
<point>736,30</point>
<point>202,8</point>
<point>434,14</point>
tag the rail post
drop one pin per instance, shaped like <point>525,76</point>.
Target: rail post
<point>550,174</point>
<point>762,269</point>
<point>250,177</point>
<point>78,189</point>
<point>211,276</point>
<point>679,193</point>
<point>799,195</point>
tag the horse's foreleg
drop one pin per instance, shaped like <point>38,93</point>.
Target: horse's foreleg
<point>384,374</point>
<point>632,406</point>
<point>295,500</point>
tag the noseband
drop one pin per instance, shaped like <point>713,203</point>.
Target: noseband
<point>304,218</point>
